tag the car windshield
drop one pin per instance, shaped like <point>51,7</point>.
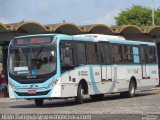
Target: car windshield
<point>32,61</point>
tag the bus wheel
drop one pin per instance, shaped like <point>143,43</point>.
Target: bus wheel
<point>39,102</point>
<point>131,92</point>
<point>97,97</point>
<point>80,93</point>
<point>132,88</point>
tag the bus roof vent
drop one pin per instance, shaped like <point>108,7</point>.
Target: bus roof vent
<point>100,37</point>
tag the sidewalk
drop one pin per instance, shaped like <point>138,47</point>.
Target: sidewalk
<point>156,89</point>
<point>7,99</point>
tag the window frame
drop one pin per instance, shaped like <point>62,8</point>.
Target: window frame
<point>144,47</point>
<point>120,54</point>
<point>105,53</point>
<point>155,55</point>
<point>73,54</point>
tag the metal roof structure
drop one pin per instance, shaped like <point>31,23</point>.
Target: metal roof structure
<point>30,27</point>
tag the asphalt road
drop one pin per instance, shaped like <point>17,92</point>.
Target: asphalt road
<point>112,106</point>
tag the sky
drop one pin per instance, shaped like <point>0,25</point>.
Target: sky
<point>80,12</point>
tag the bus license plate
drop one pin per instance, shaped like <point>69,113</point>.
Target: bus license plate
<point>31,91</point>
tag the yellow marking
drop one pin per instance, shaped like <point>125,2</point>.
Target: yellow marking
<point>155,91</point>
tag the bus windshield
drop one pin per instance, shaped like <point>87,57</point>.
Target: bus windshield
<point>32,61</point>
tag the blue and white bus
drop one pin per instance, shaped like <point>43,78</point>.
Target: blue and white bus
<point>50,66</point>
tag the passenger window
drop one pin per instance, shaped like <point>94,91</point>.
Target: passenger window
<point>81,53</point>
<point>67,61</point>
<point>152,55</point>
<point>104,53</point>
<point>136,58</point>
<point>92,53</point>
<point>144,54</point>
<point>116,54</point>
<point>127,54</point>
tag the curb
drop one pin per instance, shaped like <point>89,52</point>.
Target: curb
<point>156,90</point>
<point>10,100</point>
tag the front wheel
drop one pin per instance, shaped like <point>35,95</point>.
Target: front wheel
<point>80,93</point>
<point>39,102</point>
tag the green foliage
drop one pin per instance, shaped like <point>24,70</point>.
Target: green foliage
<point>138,15</point>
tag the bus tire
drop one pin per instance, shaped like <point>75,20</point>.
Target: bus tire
<point>39,102</point>
<point>131,92</point>
<point>80,93</point>
<point>132,88</point>
<point>97,97</point>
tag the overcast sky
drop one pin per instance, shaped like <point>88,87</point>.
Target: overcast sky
<point>80,12</point>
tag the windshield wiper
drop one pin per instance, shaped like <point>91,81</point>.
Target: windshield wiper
<point>40,53</point>
<point>20,49</point>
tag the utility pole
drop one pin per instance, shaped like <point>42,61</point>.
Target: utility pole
<point>153,20</point>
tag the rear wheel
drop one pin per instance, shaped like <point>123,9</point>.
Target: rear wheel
<point>80,94</point>
<point>132,88</point>
<point>39,102</point>
<point>131,92</point>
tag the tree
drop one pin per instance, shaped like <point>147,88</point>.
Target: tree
<point>137,15</point>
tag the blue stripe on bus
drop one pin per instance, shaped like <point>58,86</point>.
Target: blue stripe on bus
<point>128,42</point>
<point>95,89</point>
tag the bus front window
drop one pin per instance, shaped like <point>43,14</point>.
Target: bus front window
<point>32,61</point>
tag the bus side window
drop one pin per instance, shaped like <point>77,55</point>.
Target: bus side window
<point>152,55</point>
<point>81,53</point>
<point>144,51</point>
<point>127,54</point>
<point>136,58</point>
<point>67,61</point>
<point>116,53</point>
<point>91,53</point>
<point>104,53</point>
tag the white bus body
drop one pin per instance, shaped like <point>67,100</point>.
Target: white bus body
<point>89,64</point>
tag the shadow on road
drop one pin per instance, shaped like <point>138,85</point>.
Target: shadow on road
<point>71,101</point>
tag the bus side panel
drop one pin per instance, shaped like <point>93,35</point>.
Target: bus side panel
<point>68,86</point>
<point>124,75</point>
<point>56,90</point>
<point>100,84</point>
<point>154,73</point>
<point>152,79</point>
<point>90,73</point>
<point>71,79</point>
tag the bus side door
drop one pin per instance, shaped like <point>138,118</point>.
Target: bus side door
<point>146,74</point>
<point>153,63</point>
<point>104,55</point>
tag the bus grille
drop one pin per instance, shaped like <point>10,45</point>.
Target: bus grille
<point>36,94</point>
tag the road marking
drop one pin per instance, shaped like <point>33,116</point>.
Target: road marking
<point>155,91</point>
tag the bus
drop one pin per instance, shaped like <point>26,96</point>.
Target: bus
<point>51,66</point>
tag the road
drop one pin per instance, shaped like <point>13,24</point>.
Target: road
<point>143,103</point>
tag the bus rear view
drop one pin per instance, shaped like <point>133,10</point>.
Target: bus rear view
<point>32,67</point>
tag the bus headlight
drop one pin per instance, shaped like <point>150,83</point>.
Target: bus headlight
<point>11,85</point>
